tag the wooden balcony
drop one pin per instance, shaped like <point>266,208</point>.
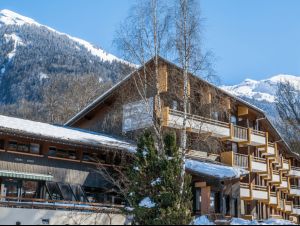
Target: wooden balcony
<point>258,138</point>
<point>288,206</point>
<point>281,204</point>
<point>197,124</point>
<point>224,130</point>
<point>258,165</point>
<point>252,164</point>
<point>286,166</point>
<point>269,150</point>
<point>273,199</point>
<point>233,159</point>
<point>245,191</point>
<point>296,211</point>
<point>294,172</point>
<point>254,192</point>
<point>295,190</point>
<point>275,177</point>
<point>260,193</point>
<point>284,185</point>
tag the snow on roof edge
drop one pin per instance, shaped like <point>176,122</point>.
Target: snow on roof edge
<point>63,133</point>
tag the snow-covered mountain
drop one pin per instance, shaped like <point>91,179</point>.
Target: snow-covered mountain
<point>262,93</point>
<point>10,18</point>
<point>263,90</point>
<point>31,52</point>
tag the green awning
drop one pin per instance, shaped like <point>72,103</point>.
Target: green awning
<point>27,176</point>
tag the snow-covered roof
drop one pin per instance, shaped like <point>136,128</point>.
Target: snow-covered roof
<point>215,170</point>
<point>61,133</point>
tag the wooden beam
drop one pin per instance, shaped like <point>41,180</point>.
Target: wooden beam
<point>242,111</point>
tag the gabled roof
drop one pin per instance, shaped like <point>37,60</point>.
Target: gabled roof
<point>104,96</point>
<point>66,135</point>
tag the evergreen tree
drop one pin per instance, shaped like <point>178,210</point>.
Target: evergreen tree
<point>154,192</point>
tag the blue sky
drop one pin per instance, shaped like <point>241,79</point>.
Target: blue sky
<point>250,39</point>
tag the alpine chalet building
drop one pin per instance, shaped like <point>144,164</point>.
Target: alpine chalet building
<point>240,164</point>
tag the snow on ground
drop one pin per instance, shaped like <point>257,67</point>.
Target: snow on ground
<point>215,170</point>
<point>203,220</point>
<point>62,133</point>
<point>17,42</point>
<point>8,17</point>
<point>147,203</point>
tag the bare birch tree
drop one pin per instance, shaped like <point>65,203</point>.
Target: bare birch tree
<point>142,36</point>
<point>188,51</point>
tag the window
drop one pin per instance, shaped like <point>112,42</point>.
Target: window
<point>52,151</point>
<point>61,153</point>
<point>30,189</point>
<point>23,148</point>
<point>2,144</point>
<point>35,149</point>
<point>12,145</point>
<point>54,191</point>
<point>72,155</point>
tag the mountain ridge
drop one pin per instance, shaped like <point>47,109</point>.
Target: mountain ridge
<point>10,18</point>
<point>262,90</point>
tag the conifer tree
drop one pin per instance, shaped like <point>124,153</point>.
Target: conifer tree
<point>155,189</point>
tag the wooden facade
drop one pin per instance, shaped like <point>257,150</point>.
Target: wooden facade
<point>240,135</point>
<point>53,173</point>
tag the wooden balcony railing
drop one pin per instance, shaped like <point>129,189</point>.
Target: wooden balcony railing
<point>240,133</point>
<point>245,185</point>
<point>200,119</point>
<point>260,160</point>
<point>281,204</point>
<point>260,188</point>
<point>259,133</point>
<point>295,168</point>
<point>295,187</point>
<point>241,160</point>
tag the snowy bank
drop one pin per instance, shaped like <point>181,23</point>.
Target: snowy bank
<point>203,220</point>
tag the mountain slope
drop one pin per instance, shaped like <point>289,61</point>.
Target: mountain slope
<point>262,93</point>
<point>30,53</point>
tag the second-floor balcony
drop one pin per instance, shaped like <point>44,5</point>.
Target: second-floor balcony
<point>250,163</point>
<point>285,165</point>
<point>284,185</point>
<point>275,177</point>
<point>281,204</point>
<point>294,172</point>
<point>260,193</point>
<point>273,199</point>
<point>254,192</point>
<point>295,190</point>
<point>224,130</point>
<point>296,210</point>
<point>269,151</point>
<point>288,206</point>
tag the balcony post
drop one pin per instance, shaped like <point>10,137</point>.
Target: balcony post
<point>250,163</point>
<point>249,135</point>
<point>165,116</point>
